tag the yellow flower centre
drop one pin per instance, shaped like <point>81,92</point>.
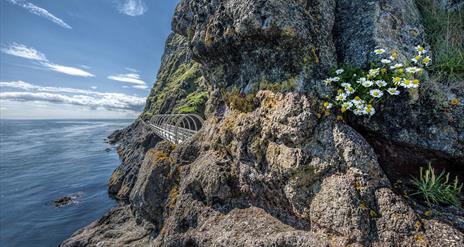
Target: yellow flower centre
<point>357,98</point>
<point>455,102</point>
<point>416,82</point>
<point>396,79</point>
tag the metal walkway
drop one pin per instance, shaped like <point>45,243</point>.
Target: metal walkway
<point>176,128</point>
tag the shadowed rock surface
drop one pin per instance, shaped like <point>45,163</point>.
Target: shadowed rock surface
<point>282,174</point>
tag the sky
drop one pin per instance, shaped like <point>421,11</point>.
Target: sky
<point>80,58</point>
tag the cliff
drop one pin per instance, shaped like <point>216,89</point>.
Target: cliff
<point>281,172</point>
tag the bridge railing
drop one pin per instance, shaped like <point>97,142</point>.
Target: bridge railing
<point>176,128</point>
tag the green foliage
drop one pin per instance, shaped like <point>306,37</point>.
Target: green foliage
<point>242,102</point>
<point>445,32</point>
<point>358,90</point>
<point>437,189</point>
<point>194,103</point>
<point>183,84</point>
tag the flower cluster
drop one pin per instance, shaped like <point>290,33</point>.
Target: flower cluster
<point>359,90</point>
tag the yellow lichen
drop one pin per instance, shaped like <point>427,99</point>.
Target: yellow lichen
<point>172,196</point>
<point>316,58</point>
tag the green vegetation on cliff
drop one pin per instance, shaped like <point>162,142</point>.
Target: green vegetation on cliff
<point>180,87</point>
<point>444,30</point>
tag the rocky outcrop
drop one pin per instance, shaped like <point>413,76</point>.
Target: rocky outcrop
<point>116,228</point>
<point>276,176</point>
<point>283,174</point>
<point>179,88</point>
<point>409,132</point>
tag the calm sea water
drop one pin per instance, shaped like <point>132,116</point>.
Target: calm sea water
<point>41,161</point>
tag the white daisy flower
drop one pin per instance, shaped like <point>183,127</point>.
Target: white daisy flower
<point>345,85</point>
<point>366,83</point>
<point>413,70</point>
<point>385,61</point>
<point>426,60</point>
<point>376,93</point>
<point>330,80</point>
<point>357,101</point>
<point>406,83</point>
<point>347,105</point>
<point>392,58</point>
<point>339,71</point>
<point>369,110</point>
<point>380,83</point>
<point>420,49</point>
<point>379,51</point>
<point>340,97</point>
<point>393,91</point>
<point>396,66</point>
<point>328,105</point>
<point>349,90</point>
<point>396,80</point>
<point>374,72</point>
<point>359,111</point>
<point>416,58</point>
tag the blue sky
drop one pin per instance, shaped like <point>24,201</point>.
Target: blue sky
<point>80,58</point>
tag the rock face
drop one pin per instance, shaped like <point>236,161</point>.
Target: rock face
<point>277,176</point>
<point>242,42</point>
<point>282,174</point>
<point>179,89</point>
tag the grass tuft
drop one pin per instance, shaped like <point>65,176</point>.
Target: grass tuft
<point>444,30</point>
<point>437,189</point>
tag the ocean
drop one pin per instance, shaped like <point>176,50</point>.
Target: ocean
<point>44,160</point>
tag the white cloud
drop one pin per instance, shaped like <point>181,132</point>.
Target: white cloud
<point>93,87</point>
<point>131,78</point>
<point>36,10</point>
<point>132,70</point>
<point>132,7</point>
<point>20,50</point>
<point>68,70</point>
<point>141,87</point>
<point>71,96</point>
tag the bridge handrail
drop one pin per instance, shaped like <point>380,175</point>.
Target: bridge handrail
<point>168,126</point>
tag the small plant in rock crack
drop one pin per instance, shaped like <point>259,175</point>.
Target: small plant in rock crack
<point>359,90</point>
<point>437,189</point>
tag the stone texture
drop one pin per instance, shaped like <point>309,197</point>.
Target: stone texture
<point>242,42</point>
<point>134,141</point>
<point>281,175</point>
<point>116,228</point>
